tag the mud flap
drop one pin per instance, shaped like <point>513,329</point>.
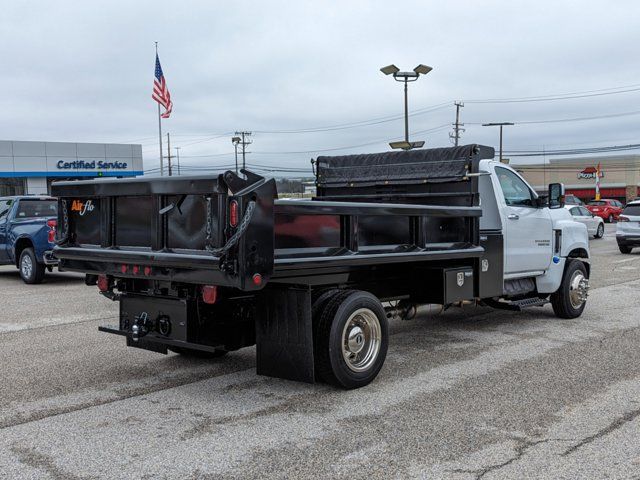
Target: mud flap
<point>284,334</point>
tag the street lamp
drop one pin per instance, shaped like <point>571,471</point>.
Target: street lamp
<point>499,124</point>
<point>406,77</point>
<point>236,141</point>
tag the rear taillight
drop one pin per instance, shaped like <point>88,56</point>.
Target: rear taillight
<point>103,283</point>
<point>233,213</point>
<point>622,218</point>
<point>209,294</point>
<point>52,230</point>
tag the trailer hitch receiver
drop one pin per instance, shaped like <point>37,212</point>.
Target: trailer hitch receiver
<point>141,326</point>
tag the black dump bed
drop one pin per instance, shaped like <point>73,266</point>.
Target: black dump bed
<point>375,209</point>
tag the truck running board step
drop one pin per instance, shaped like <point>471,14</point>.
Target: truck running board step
<point>517,305</point>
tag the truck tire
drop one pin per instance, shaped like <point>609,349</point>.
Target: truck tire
<point>192,353</point>
<point>31,271</point>
<point>568,301</point>
<point>351,337</point>
<point>624,249</point>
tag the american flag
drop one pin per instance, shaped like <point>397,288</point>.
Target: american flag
<point>160,91</point>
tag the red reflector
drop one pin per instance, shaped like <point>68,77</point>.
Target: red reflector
<point>51,236</point>
<point>257,279</point>
<point>233,213</point>
<point>147,271</point>
<point>136,269</point>
<point>209,294</point>
<point>103,283</point>
<point>124,268</point>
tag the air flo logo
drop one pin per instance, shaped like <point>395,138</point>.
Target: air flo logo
<point>589,173</point>
<point>82,207</point>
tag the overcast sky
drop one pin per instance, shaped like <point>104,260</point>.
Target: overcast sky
<point>83,71</point>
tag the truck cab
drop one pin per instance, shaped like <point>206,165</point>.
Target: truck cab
<point>27,235</point>
<point>538,240</point>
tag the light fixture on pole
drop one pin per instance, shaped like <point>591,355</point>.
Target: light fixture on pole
<point>498,124</point>
<point>236,141</point>
<point>406,77</point>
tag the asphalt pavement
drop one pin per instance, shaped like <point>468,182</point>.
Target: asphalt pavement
<point>465,394</point>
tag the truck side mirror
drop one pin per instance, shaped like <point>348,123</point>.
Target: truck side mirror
<point>556,195</point>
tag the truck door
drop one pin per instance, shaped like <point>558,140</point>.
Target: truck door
<point>527,228</point>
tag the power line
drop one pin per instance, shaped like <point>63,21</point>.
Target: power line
<point>563,96</point>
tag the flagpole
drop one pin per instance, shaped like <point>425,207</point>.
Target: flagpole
<point>160,130</point>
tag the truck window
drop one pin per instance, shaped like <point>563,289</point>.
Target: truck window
<point>516,192</point>
<point>37,208</point>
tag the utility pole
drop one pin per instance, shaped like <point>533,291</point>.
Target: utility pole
<point>236,140</point>
<point>501,124</point>
<point>244,142</point>
<point>457,130</point>
<point>178,158</point>
<point>169,157</point>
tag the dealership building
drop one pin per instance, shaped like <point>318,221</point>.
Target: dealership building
<point>619,176</point>
<point>30,167</point>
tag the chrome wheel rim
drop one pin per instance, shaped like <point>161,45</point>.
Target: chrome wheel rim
<point>26,266</point>
<point>361,340</point>
<point>578,289</point>
<point>600,230</point>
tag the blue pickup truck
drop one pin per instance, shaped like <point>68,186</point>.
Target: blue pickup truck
<point>27,235</point>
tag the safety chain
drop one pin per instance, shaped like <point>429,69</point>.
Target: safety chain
<point>244,224</point>
<point>65,220</point>
<point>208,225</point>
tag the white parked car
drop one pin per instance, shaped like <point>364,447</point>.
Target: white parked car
<point>594,224</point>
<point>628,227</point>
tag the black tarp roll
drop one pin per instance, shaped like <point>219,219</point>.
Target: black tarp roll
<point>432,165</point>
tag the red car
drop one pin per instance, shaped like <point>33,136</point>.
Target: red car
<point>606,209</point>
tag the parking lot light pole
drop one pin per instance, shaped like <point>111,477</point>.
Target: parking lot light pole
<point>406,77</point>
<point>498,124</point>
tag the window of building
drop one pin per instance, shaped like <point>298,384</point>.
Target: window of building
<point>12,186</point>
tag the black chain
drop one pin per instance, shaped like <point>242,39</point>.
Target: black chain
<point>65,221</point>
<point>244,224</point>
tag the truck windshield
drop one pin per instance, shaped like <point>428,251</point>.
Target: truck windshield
<point>37,208</point>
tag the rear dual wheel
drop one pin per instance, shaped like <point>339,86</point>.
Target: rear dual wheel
<point>350,337</point>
